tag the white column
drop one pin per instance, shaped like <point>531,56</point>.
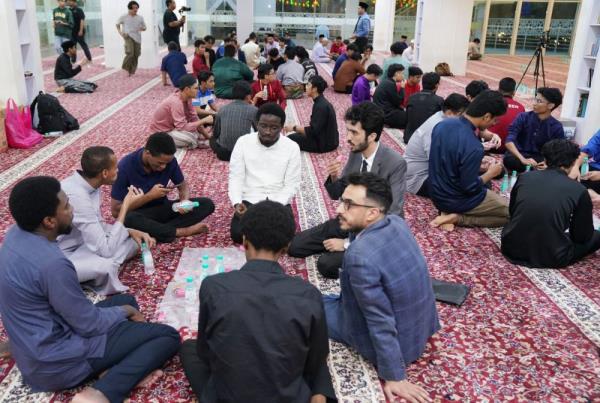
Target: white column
<point>245,19</point>
<point>383,34</point>
<point>183,35</point>
<point>351,18</point>
<point>484,27</point>
<point>442,33</point>
<point>515,30</point>
<point>113,44</point>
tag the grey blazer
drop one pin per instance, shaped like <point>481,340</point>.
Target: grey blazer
<point>388,164</point>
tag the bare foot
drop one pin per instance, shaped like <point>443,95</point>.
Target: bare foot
<point>150,379</point>
<point>60,89</point>
<point>4,350</point>
<point>445,221</point>
<point>195,229</point>
<point>89,395</point>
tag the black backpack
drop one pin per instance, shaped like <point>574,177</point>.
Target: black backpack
<point>51,115</point>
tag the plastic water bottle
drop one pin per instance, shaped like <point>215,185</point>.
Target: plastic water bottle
<point>585,166</point>
<point>505,184</point>
<point>185,205</point>
<point>147,260</point>
<point>528,168</point>
<point>205,269</point>
<point>220,266</point>
<point>513,179</point>
<point>190,290</point>
<point>265,93</point>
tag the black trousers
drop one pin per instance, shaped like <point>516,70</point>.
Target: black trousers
<point>582,250</point>
<point>310,242</point>
<point>133,350</point>
<point>222,154</point>
<point>161,222</point>
<point>84,46</point>
<point>511,163</point>
<point>197,372</point>
<point>361,42</point>
<point>594,185</point>
<point>424,189</point>
<point>396,119</point>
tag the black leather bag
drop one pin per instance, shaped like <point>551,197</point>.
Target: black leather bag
<point>450,293</point>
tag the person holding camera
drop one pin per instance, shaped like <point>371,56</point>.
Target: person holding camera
<point>171,25</point>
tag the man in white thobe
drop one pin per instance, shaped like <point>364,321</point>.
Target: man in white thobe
<point>96,248</point>
<point>319,51</point>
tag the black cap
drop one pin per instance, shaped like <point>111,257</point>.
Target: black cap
<point>363,4</point>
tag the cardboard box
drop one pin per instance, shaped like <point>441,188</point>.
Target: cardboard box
<point>3,141</point>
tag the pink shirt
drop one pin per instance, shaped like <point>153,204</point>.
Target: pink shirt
<point>175,114</point>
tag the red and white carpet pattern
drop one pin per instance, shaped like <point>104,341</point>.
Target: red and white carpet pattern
<point>523,334</point>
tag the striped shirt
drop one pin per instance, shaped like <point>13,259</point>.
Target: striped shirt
<point>233,121</point>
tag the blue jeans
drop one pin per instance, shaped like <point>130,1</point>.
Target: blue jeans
<point>332,306</point>
<point>58,41</point>
<point>133,350</point>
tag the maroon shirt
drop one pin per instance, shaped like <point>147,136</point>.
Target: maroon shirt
<point>504,121</point>
<point>274,90</point>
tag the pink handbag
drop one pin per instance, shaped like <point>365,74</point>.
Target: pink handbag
<point>19,133</point>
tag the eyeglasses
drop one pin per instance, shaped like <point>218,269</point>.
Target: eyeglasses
<point>348,204</point>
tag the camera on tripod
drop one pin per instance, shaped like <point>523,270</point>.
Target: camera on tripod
<point>184,9</point>
<point>543,41</point>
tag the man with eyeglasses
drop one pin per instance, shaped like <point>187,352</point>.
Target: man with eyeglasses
<point>386,308</point>
<point>364,124</point>
<point>263,166</point>
<point>531,130</point>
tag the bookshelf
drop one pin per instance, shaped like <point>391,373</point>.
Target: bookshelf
<point>582,95</point>
<point>21,75</point>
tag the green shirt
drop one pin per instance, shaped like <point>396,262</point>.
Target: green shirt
<point>227,71</point>
<point>395,60</point>
<point>63,15</point>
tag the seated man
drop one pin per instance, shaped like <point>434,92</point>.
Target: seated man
<point>98,249</point>
<point>591,180</point>
<point>275,59</point>
<point>396,57</point>
<point>58,338</point>
<point>364,124</point>
<point>321,135</point>
<point>389,95</point>
<point>267,88</point>
<point>291,75</point>
<point>361,89</point>
<point>227,71</point>
<point>173,64</point>
<point>350,50</point>
<point>150,169</point>
<point>337,48</point>
<point>201,61</point>
<point>177,116</point>
<point>386,308</point>
<point>310,69</point>
<point>409,53</point>
<point>422,105</point>
<point>205,98</point>
<point>417,150</point>
<point>475,88</point>
<point>455,186</point>
<point>507,88</point>
<point>280,316</point>
<point>413,83</point>
<point>264,165</point>
<point>64,71</point>
<point>474,53</point>
<point>233,121</point>
<point>531,130</point>
<point>348,72</point>
<point>551,223</point>
<point>319,52</point>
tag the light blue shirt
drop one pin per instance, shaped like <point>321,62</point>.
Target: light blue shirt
<point>363,26</point>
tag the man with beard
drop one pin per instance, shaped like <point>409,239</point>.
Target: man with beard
<point>386,308</point>
<point>263,165</point>
<point>364,124</point>
<point>98,249</point>
<point>58,338</point>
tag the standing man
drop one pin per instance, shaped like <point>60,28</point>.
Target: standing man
<point>172,26</point>
<point>362,27</point>
<point>130,27</point>
<point>79,28</point>
<point>251,51</point>
<point>62,19</point>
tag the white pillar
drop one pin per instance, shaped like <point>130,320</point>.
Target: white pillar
<point>383,34</point>
<point>484,27</point>
<point>113,44</point>
<point>245,19</point>
<point>183,34</point>
<point>443,29</point>
<point>351,17</point>
<point>515,30</point>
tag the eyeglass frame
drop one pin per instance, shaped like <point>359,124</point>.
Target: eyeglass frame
<point>349,204</point>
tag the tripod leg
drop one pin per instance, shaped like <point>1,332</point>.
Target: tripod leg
<point>543,69</point>
<point>525,72</point>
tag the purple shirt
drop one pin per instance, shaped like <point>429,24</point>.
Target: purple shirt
<point>52,327</point>
<point>361,90</point>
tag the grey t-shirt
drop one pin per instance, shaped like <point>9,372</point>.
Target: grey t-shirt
<point>132,26</point>
<point>417,153</point>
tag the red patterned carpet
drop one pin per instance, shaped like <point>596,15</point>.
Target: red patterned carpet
<point>523,334</point>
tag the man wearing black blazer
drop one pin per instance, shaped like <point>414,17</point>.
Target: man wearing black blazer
<point>364,124</point>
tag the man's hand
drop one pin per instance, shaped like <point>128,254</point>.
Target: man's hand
<point>80,33</point>
<point>240,209</point>
<point>495,169</point>
<point>132,195</point>
<point>334,245</point>
<point>288,129</point>
<point>158,191</point>
<point>334,170</point>
<point>133,314</point>
<point>495,141</point>
<point>529,161</point>
<point>318,399</point>
<point>405,390</point>
<point>139,237</point>
<point>591,176</point>
<point>208,120</point>
<point>184,210</point>
<point>84,61</point>
<point>541,166</point>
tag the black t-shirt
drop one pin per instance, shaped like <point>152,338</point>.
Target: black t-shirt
<point>78,15</point>
<point>170,34</point>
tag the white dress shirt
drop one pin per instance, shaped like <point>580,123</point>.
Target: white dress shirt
<point>409,55</point>
<point>258,173</point>
<point>252,52</point>
<point>319,54</point>
<point>370,159</point>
